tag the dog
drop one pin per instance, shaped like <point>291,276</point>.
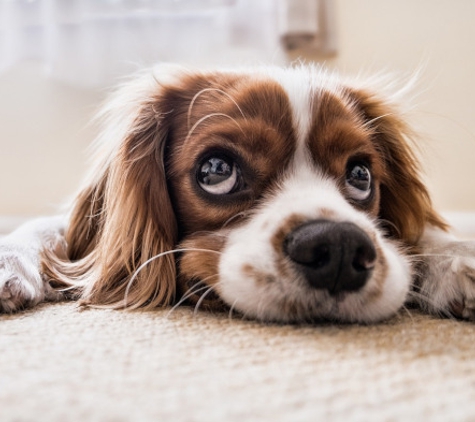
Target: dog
<point>281,194</point>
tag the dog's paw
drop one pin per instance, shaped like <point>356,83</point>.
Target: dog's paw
<point>20,280</point>
<point>447,279</point>
<point>21,285</point>
<point>463,306</point>
<point>14,294</point>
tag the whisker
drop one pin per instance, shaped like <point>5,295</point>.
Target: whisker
<point>237,215</point>
<point>423,299</point>
<point>200,301</point>
<point>153,258</point>
<point>407,311</point>
<point>197,95</point>
<point>368,124</point>
<point>231,309</point>
<point>190,292</point>
<point>390,223</point>
<point>209,233</point>
<point>261,304</point>
<point>432,255</point>
<point>208,116</point>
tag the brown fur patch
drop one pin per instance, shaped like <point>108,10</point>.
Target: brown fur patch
<point>291,223</point>
<point>198,269</point>
<point>260,139</point>
<point>284,267</point>
<point>404,200</point>
<point>259,277</point>
<point>338,136</point>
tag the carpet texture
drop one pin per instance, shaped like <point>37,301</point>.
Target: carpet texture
<point>61,364</point>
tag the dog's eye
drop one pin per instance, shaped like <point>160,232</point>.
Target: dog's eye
<point>358,182</point>
<point>218,176</point>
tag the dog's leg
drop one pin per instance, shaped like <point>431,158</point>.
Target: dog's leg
<point>445,279</point>
<point>21,283</point>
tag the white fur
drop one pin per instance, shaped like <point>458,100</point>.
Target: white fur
<point>447,274</point>
<point>21,284</point>
<point>305,192</point>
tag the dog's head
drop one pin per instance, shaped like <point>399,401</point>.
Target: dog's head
<point>286,194</point>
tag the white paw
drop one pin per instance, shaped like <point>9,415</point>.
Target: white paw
<point>21,284</point>
<point>20,280</point>
<point>447,280</point>
<point>463,304</point>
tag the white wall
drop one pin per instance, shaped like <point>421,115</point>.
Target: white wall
<point>43,138</point>
<point>43,134</point>
<point>437,36</point>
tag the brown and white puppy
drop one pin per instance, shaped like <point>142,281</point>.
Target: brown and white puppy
<point>285,194</point>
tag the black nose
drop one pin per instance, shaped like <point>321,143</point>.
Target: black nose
<point>333,256</point>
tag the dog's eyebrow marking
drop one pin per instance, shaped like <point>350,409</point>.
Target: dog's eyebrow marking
<point>197,95</point>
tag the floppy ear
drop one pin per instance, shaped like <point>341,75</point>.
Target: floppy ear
<point>405,204</point>
<point>123,220</point>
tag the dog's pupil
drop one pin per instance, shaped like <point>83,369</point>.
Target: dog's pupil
<point>215,170</point>
<point>360,177</point>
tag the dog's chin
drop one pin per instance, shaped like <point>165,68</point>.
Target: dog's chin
<point>317,307</point>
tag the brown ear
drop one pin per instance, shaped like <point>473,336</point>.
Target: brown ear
<point>122,221</point>
<point>405,204</point>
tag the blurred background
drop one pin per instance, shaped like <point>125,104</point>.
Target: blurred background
<point>59,57</point>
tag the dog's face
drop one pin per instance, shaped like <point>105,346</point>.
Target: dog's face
<point>292,196</point>
<point>276,183</point>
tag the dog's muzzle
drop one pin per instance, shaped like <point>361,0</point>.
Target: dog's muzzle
<point>335,256</point>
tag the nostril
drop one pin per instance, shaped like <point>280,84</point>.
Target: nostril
<point>364,259</point>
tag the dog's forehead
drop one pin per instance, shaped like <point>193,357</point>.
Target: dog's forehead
<point>295,100</point>
<point>300,87</point>
<point>327,121</point>
<point>312,113</point>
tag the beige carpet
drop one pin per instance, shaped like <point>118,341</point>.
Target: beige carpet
<point>60,364</point>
